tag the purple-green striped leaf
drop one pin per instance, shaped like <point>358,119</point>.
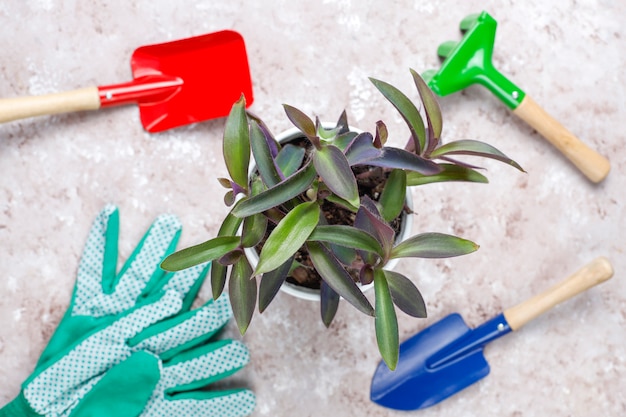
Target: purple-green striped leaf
<point>204,252</point>
<point>431,109</point>
<point>361,149</point>
<point>369,220</point>
<point>386,322</point>
<point>300,120</point>
<point>284,191</point>
<point>263,156</point>
<point>254,228</point>
<point>407,110</point>
<point>450,172</point>
<point>337,277</point>
<point>393,197</point>
<point>242,291</point>
<point>289,159</point>
<point>433,245</point>
<point>334,169</point>
<point>218,279</point>
<point>347,236</point>
<point>271,282</point>
<point>405,294</point>
<point>329,302</point>
<point>288,236</point>
<point>236,144</point>
<point>475,148</point>
<point>396,158</point>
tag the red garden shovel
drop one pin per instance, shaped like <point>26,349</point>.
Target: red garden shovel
<point>174,83</point>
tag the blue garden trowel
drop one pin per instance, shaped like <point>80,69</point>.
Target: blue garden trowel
<point>448,356</point>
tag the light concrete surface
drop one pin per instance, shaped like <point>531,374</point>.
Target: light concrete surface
<point>534,228</point>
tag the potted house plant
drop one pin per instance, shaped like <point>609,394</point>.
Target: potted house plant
<point>326,206</point>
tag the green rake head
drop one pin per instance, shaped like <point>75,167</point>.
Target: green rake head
<point>469,62</point>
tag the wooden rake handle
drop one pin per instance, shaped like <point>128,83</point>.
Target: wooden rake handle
<point>70,101</point>
<point>595,166</point>
<point>592,274</point>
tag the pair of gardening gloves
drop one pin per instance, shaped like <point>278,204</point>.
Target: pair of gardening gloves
<point>129,344</point>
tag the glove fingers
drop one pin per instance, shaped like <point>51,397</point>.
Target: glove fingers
<point>99,260</point>
<point>141,273</point>
<point>238,403</point>
<point>61,382</point>
<point>186,330</point>
<point>204,365</point>
<point>187,283</point>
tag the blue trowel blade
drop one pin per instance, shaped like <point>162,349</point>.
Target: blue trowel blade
<point>436,363</point>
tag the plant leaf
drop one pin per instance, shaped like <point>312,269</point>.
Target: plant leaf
<point>334,169</point>
<point>289,159</point>
<point>386,322</point>
<point>284,191</point>
<point>337,277</point>
<point>198,254</point>
<point>236,145</point>
<point>473,147</point>
<point>343,140</point>
<point>368,219</point>
<point>329,302</point>
<point>254,228</point>
<point>342,123</point>
<point>231,257</point>
<point>433,245</point>
<point>332,198</point>
<point>301,121</point>
<point>361,149</point>
<point>271,282</point>
<point>288,236</point>
<point>407,110</point>
<point>397,158</point>
<point>218,279</point>
<point>431,108</point>
<point>450,172</point>
<point>348,236</point>
<point>230,225</point>
<point>405,294</point>
<point>343,254</point>
<point>393,197</point>
<point>263,156</point>
<point>381,134</point>
<point>242,291</point>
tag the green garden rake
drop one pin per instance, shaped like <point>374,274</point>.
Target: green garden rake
<point>469,61</point>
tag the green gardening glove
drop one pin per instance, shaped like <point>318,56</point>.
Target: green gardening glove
<point>115,353</point>
<point>142,365</point>
<point>101,295</point>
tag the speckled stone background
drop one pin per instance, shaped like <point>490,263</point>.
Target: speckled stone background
<point>534,229</point>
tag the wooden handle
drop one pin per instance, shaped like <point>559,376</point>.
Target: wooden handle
<point>595,166</point>
<point>594,273</point>
<point>69,101</point>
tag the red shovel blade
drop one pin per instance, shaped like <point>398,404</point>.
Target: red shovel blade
<point>185,81</point>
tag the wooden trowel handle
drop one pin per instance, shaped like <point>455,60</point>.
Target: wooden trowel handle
<point>594,273</point>
<point>69,101</point>
<point>595,166</point>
